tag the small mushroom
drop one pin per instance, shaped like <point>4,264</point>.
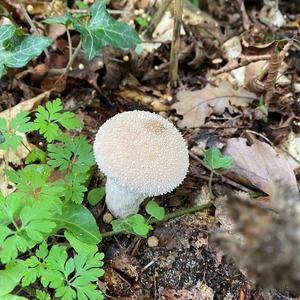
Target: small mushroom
<point>143,155</point>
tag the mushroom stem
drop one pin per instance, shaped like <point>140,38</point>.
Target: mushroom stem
<point>120,201</point>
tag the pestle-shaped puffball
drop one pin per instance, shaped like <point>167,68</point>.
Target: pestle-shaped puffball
<point>142,154</point>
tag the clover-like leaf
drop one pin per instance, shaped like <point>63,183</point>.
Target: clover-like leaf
<point>214,159</point>
<point>154,210</point>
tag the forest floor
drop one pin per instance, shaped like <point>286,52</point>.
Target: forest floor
<point>238,89</point>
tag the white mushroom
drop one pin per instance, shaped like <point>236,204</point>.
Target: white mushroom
<point>142,154</point>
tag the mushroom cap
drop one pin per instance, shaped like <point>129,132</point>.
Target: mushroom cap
<point>143,152</point>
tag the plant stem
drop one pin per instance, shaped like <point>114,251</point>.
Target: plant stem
<point>30,22</point>
<point>209,184</point>
<point>178,9</point>
<point>70,44</point>
<point>167,217</point>
<point>64,71</point>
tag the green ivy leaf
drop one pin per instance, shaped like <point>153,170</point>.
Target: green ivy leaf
<point>96,195</point>
<point>17,50</point>
<point>154,210</point>
<point>214,159</point>
<point>80,222</point>
<point>103,30</point>
<point>64,19</point>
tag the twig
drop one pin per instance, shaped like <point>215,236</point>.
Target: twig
<point>175,47</point>
<point>167,217</point>
<point>66,69</point>
<point>70,44</point>
<point>157,18</point>
<point>110,11</point>
<point>30,22</point>
<point>241,61</point>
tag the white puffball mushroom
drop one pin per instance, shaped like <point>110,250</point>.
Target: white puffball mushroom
<point>143,155</point>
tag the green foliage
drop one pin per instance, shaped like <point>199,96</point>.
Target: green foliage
<point>11,276</point>
<point>214,159</point>
<point>16,49</point>
<point>143,22</point>
<point>78,220</point>
<point>136,223</point>
<point>101,30</point>
<point>42,295</point>
<point>263,108</point>
<point>155,211</point>
<point>10,132</point>
<point>22,226</point>
<point>48,120</point>
<point>72,278</point>
<point>96,195</point>
<point>42,204</point>
<point>36,155</point>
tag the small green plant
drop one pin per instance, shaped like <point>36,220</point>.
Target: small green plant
<point>11,133</point>
<point>42,205</point>
<point>138,224</point>
<point>263,108</point>
<point>214,159</point>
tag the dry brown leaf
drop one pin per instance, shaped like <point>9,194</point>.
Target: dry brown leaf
<point>195,106</point>
<point>258,164</point>
<point>135,94</point>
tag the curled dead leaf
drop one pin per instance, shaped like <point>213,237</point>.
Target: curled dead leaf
<point>196,106</point>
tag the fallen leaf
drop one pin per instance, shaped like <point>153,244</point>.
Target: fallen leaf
<point>139,96</point>
<point>271,15</point>
<point>197,105</point>
<point>258,164</point>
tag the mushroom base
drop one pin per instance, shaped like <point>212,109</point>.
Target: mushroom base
<point>120,201</point>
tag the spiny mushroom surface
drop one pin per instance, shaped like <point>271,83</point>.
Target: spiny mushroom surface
<point>142,155</point>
